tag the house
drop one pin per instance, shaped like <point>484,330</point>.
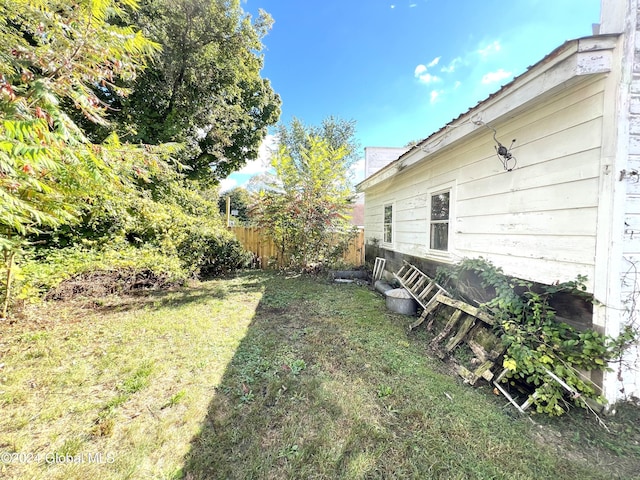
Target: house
<point>561,200</point>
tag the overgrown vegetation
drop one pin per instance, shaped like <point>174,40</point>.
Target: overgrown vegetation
<point>53,54</point>
<point>536,341</point>
<point>260,375</point>
<point>305,206</point>
<point>73,172</point>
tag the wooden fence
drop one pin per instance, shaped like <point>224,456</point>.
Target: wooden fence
<point>255,240</point>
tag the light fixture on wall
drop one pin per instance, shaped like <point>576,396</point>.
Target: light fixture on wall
<point>632,174</point>
<point>505,156</point>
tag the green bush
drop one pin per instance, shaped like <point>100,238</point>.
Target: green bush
<point>160,232</point>
<point>211,251</point>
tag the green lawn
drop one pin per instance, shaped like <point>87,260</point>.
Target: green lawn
<point>267,376</point>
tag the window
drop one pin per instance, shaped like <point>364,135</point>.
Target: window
<point>387,236</point>
<point>439,221</point>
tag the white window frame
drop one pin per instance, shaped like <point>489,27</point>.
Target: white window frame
<point>446,255</point>
<point>393,224</point>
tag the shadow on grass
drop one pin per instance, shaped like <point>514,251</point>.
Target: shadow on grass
<point>156,299</point>
<point>326,384</point>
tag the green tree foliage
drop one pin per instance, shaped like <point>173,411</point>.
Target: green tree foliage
<point>204,88</point>
<point>52,52</point>
<point>55,51</point>
<point>157,209</point>
<point>306,209</point>
<point>338,133</point>
<point>63,61</point>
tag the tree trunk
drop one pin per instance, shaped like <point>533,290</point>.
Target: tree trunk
<point>9,262</point>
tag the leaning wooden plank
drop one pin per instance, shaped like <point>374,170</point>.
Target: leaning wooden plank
<point>466,308</point>
<point>407,264</point>
<point>462,331</point>
<point>468,376</point>
<point>433,301</point>
<point>484,371</point>
<point>425,313</point>
<point>423,294</point>
<point>402,272</point>
<point>407,273</point>
<point>487,375</point>
<point>482,352</point>
<point>412,278</point>
<point>447,328</point>
<point>404,284</point>
<point>419,284</point>
<point>478,350</point>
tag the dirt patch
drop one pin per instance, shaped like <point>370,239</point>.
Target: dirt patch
<point>102,283</point>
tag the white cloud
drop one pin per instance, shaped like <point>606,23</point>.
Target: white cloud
<point>435,94</point>
<point>263,162</point>
<point>428,78</point>
<point>413,5</point>
<point>227,184</point>
<point>393,6</point>
<point>420,69</point>
<point>490,49</point>
<point>457,84</point>
<point>496,76</point>
<point>452,65</point>
<point>421,73</point>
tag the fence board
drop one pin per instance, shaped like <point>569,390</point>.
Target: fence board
<point>256,241</point>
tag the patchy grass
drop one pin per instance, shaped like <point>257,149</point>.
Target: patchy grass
<point>268,376</point>
<point>130,378</point>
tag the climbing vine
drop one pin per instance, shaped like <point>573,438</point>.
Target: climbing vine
<point>536,341</point>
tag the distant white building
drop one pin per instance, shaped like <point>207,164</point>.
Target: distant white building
<point>376,158</point>
<point>564,201</point>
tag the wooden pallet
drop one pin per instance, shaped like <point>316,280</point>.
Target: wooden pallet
<point>422,288</point>
<point>465,324</point>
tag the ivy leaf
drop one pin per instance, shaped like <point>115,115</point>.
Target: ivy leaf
<point>510,364</point>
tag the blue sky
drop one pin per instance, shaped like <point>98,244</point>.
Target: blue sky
<point>402,69</point>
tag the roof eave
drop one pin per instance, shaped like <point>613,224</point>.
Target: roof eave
<point>574,59</point>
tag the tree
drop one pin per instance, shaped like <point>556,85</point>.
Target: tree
<point>56,51</point>
<point>306,209</point>
<point>204,89</point>
<point>338,133</point>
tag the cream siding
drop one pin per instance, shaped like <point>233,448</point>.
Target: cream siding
<point>537,221</point>
<point>570,207</point>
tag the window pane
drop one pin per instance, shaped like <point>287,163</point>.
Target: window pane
<point>440,206</point>
<point>388,214</point>
<point>387,233</point>
<point>440,236</point>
